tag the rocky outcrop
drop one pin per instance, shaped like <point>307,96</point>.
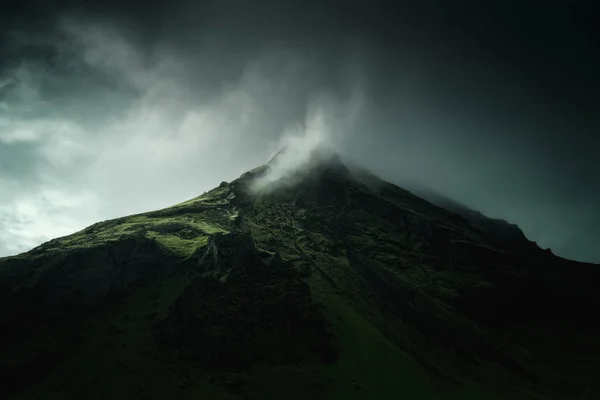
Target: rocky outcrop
<point>243,310</point>
<point>81,276</point>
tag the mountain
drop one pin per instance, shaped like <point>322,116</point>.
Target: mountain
<point>323,283</point>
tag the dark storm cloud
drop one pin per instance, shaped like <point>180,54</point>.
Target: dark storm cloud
<point>494,104</point>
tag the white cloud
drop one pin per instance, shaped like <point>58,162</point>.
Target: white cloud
<point>328,123</point>
<point>30,219</point>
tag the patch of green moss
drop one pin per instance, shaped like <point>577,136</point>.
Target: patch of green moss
<point>182,247</point>
<point>181,232</point>
<point>215,197</point>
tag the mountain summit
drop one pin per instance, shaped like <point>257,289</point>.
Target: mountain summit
<point>291,166</point>
<point>294,282</point>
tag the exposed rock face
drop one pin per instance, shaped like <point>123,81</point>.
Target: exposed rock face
<point>244,310</point>
<point>78,278</point>
<point>338,285</point>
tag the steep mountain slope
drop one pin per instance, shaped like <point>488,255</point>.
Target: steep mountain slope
<point>500,232</point>
<point>337,285</point>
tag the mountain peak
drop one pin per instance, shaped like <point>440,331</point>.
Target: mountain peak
<point>299,158</point>
<point>291,166</point>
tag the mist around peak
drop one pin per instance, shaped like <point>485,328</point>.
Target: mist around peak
<point>304,146</point>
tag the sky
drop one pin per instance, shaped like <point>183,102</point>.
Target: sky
<point>109,108</point>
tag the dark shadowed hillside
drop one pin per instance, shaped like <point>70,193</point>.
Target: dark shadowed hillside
<point>336,285</point>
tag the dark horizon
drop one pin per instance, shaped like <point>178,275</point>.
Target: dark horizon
<point>112,108</point>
